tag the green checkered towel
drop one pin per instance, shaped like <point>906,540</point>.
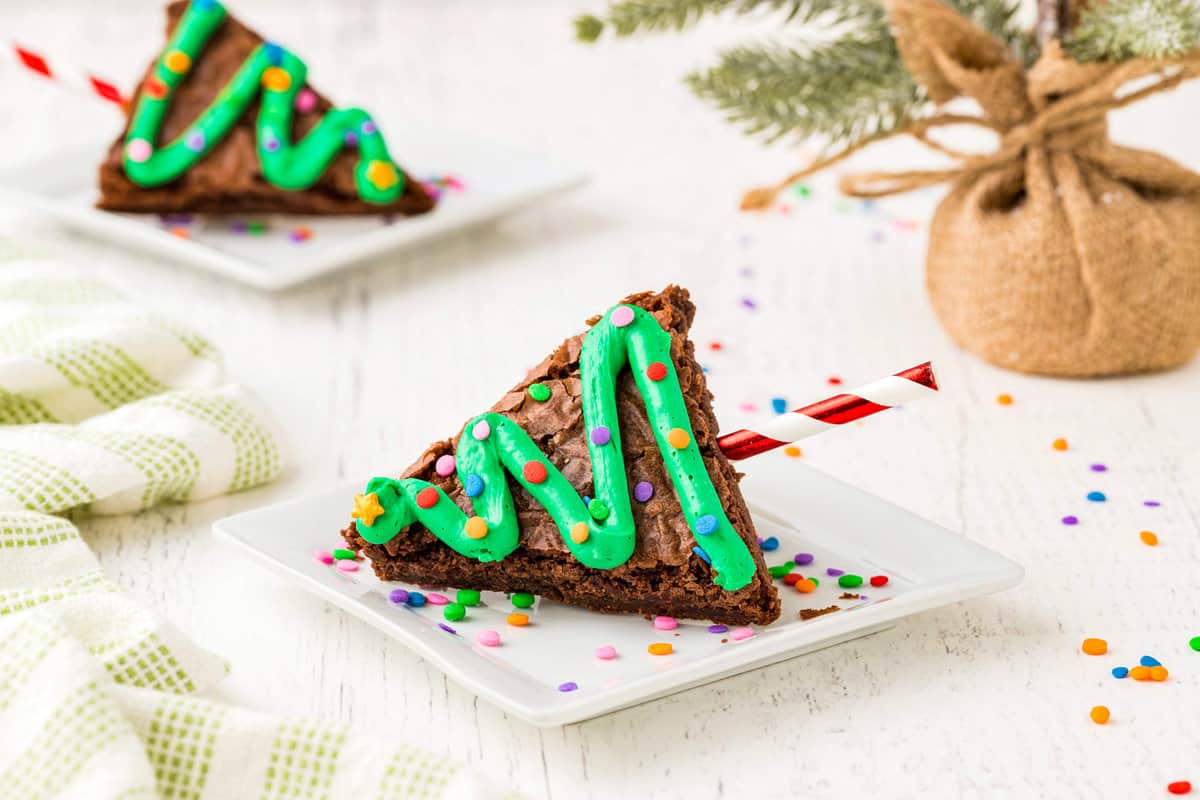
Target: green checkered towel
<point>107,409</point>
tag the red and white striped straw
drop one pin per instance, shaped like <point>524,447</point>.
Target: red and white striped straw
<point>63,73</point>
<point>911,384</point>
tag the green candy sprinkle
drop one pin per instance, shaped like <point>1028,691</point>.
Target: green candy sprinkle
<point>522,600</point>
<point>453,612</point>
<point>343,553</point>
<point>782,569</point>
<point>850,581</point>
<point>539,392</point>
<point>467,597</point>
<point>815,581</point>
<point>1195,643</point>
<point>598,509</point>
<point>256,227</point>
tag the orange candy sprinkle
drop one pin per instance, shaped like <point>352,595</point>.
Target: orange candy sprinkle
<point>1096,647</point>
<point>518,620</point>
<point>792,451</point>
<point>476,528</point>
<point>276,79</point>
<point>660,649</point>
<point>1149,537</point>
<point>1059,444</point>
<point>1004,399</point>
<point>806,586</point>
<point>1159,673</point>
<point>1140,673</point>
<point>382,175</point>
<point>182,233</point>
<point>678,438</point>
<point>177,61</point>
<point>580,532</point>
<point>1100,715</point>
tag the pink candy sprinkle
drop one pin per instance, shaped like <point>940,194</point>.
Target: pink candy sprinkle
<point>482,430</point>
<point>435,599</point>
<point>665,624</point>
<point>739,634</point>
<point>346,565</point>
<point>621,316</point>
<point>445,465</point>
<point>324,556</point>
<point>140,150</point>
<point>306,100</point>
<point>488,638</point>
<point>606,652</point>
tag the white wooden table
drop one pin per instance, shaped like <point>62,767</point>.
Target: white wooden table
<point>986,698</point>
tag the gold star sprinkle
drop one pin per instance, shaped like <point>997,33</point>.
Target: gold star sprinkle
<point>366,508</point>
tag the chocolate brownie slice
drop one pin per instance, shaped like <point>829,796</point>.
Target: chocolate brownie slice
<point>664,575</point>
<point>229,178</point>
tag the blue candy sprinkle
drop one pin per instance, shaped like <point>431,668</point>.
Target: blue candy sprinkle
<point>699,551</point>
<point>779,404</point>
<point>274,53</point>
<point>415,599</point>
<point>1150,661</point>
<point>1096,497</point>
<point>1120,672</point>
<point>474,485</point>
<point>706,524</point>
<point>768,544</point>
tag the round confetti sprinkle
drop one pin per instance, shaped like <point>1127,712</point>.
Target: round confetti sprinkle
<point>488,638</point>
<point>324,556</point>
<point>643,491</point>
<point>806,586</point>
<point>779,404</point>
<point>155,88</point>
<point>447,628</point>
<point>306,101</point>
<point>139,150</point>
<point>601,435</point>
<point>444,466</point>
<point>276,79</point>
<point>1059,444</point>
<point>453,612</point>
<point>779,570</point>
<point>660,649</point>
<point>1004,399</point>
<point>482,430</point>
<point>598,509</point>
<point>273,52</point>
<point>717,628</point>
<point>415,599</point>
<point>791,451</point>
<point>833,572</point>
<point>467,597</point>
<point>539,392</point>
<point>195,141</point>
<point>606,652</point>
<point>740,634</point>
<point>656,371</point>
<point>272,144</point>
<point>1149,537</point>
<point>1179,787</point>
<point>1099,468</point>
<point>522,599</point>
<point>706,525</point>
<point>300,233</point>
<point>1120,672</point>
<point>678,438</point>
<point>351,138</point>
<point>1096,497</point>
<point>621,316</point>
<point>665,623</point>
<point>879,580</point>
<point>534,471</point>
<point>569,686</point>
<point>1099,715</point>
<point>517,620</point>
<point>1070,520</point>
<point>850,581</point>
<point>398,596</point>
<point>476,528</point>
<point>803,559</point>
<point>1149,661</point>
<point>368,128</point>
<point>341,552</point>
<point>1094,647</point>
<point>427,497</point>
<point>435,599</point>
<point>382,175</point>
<point>1194,643</point>
<point>700,554</point>
<point>769,544</point>
<point>177,61</point>
<point>473,486</point>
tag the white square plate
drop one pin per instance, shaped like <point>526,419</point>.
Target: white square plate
<point>806,510</point>
<point>496,180</point>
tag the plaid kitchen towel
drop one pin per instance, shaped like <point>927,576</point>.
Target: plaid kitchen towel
<point>107,408</point>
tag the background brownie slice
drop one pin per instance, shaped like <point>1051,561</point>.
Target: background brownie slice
<point>664,576</point>
<point>229,178</point>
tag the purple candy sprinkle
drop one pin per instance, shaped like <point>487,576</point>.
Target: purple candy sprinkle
<point>803,559</point>
<point>271,144</point>
<point>447,628</point>
<point>1070,520</point>
<point>569,686</point>
<point>643,491</point>
<point>195,141</point>
<point>1099,468</point>
<point>351,139</point>
<point>241,226</point>
<point>1151,503</point>
<point>368,128</point>
<point>833,572</point>
<point>601,435</point>
<point>717,628</point>
<point>398,596</point>
<point>749,303</point>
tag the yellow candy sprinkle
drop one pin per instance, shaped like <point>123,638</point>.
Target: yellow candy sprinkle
<point>382,175</point>
<point>1100,715</point>
<point>580,532</point>
<point>177,61</point>
<point>518,620</point>
<point>1149,537</point>
<point>276,79</point>
<point>678,438</point>
<point>1061,444</point>
<point>660,649</point>
<point>476,528</point>
<point>792,451</point>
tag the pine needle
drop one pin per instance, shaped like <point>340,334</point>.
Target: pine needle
<point>628,17</point>
<point>1122,29</point>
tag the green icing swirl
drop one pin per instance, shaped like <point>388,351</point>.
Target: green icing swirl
<point>607,349</point>
<point>280,76</point>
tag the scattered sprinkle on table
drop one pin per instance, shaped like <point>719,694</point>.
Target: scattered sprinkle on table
<point>779,404</point>
<point>850,581</point>
<point>1151,503</point>
<point>769,544</point>
<point>1099,468</point>
<point>723,628</point>
<point>398,596</point>
<point>447,628</point>
<point>1149,661</point>
<point>1096,497</point>
<point>740,634</point>
<point>791,451</point>
<point>1059,444</point>
<point>806,586</point>
<point>301,233</point>
<point>1120,672</point>
<point>346,566</point>
<point>324,556</point>
<point>779,570</point>
<point>833,572</point>
<point>803,559</point>
<point>606,652</point>
<point>436,599</point>
<point>749,303</point>
<point>467,597</point>
<point>1100,715</point>
<point>517,620</point>
<point>879,580</point>
<point>1159,673</point>
<point>663,623</point>
<point>834,380</point>
<point>1095,647</point>
<point>1194,643</point>
<point>256,228</point>
<point>453,612</point>
<point>1070,519</point>
<point>660,649</point>
<point>1140,673</point>
<point>415,599</point>
<point>1004,399</point>
<point>715,346</point>
<point>522,600</point>
<point>1179,787</point>
<point>488,638</point>
<point>569,686</point>
<point>181,233</point>
<point>792,578</point>
<point>342,552</point>
<point>1149,537</point>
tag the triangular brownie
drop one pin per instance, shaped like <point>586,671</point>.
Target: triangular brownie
<point>225,123</point>
<point>696,559</point>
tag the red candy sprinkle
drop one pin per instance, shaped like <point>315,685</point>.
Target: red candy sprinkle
<point>656,371</point>
<point>1179,787</point>
<point>834,380</point>
<point>155,88</point>
<point>427,497</point>
<point>792,578</point>
<point>879,580</point>
<point>715,346</point>
<point>534,471</point>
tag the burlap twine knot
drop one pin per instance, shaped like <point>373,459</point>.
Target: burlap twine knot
<point>1059,252</point>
